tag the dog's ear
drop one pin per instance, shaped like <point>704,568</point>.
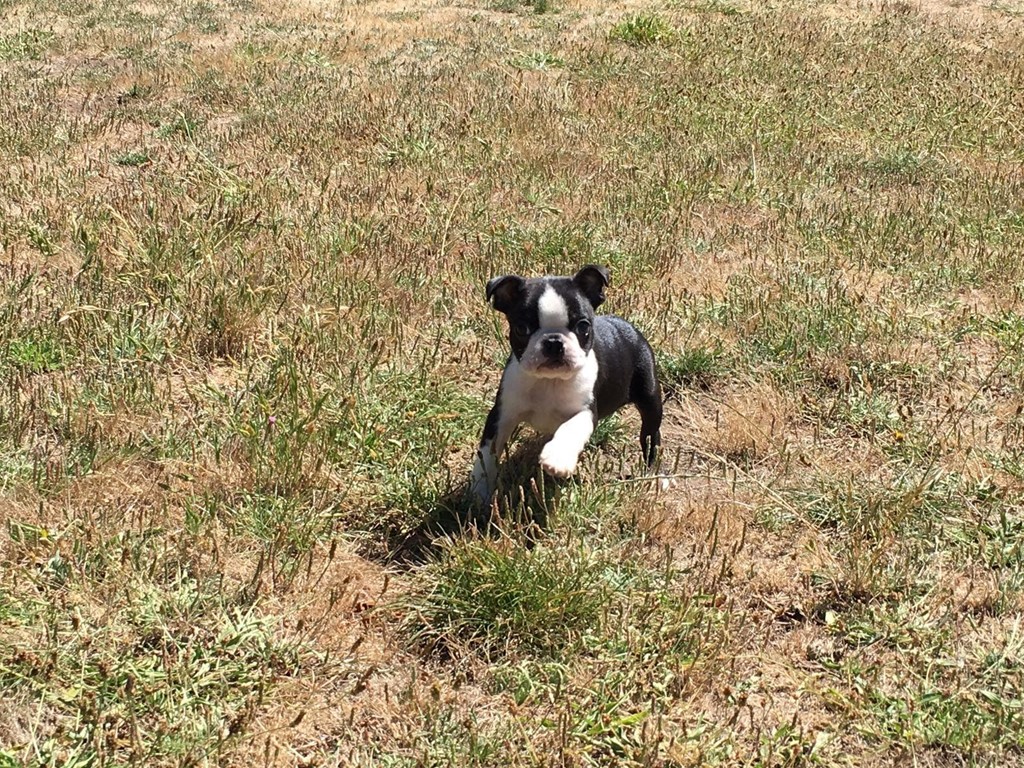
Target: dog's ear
<point>505,291</point>
<point>592,280</point>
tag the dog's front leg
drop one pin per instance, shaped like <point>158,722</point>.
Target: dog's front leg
<point>497,431</point>
<point>562,452</point>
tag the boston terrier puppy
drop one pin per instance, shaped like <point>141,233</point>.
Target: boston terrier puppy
<point>568,369</point>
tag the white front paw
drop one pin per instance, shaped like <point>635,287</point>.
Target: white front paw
<point>557,460</point>
<point>481,489</point>
<point>482,479</point>
<point>665,483</point>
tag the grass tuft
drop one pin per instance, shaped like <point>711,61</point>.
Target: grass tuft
<point>694,367</point>
<point>25,44</point>
<point>497,598</point>
<point>642,30</point>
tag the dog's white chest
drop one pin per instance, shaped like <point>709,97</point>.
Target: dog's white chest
<point>547,403</point>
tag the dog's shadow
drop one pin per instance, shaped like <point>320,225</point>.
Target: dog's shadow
<point>521,507</point>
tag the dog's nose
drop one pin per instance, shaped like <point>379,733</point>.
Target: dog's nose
<point>553,346</point>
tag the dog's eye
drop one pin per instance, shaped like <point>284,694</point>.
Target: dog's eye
<point>583,327</point>
<point>521,329</point>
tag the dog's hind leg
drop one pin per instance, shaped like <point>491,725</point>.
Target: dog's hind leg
<point>646,395</point>
<point>650,429</point>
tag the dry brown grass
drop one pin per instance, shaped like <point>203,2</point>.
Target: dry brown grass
<point>244,359</point>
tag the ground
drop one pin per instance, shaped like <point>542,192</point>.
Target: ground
<point>245,358</point>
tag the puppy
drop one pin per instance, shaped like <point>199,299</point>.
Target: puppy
<point>569,368</point>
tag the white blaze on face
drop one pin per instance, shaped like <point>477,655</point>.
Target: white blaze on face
<point>552,313</point>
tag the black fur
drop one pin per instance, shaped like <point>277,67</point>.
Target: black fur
<point>626,374</point>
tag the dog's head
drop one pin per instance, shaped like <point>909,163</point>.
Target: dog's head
<point>550,319</point>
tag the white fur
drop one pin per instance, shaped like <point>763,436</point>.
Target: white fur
<point>542,402</point>
<point>553,406</point>
<point>485,468</point>
<point>561,454</point>
<point>485,472</point>
<point>551,311</point>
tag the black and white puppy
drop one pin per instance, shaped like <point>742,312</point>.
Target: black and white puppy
<point>568,369</point>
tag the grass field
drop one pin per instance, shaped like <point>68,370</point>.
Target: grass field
<point>245,359</point>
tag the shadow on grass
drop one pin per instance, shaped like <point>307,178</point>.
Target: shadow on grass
<point>520,508</point>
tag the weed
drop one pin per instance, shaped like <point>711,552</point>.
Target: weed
<point>491,598</point>
<point>133,159</point>
<point>37,356</point>
<point>644,30</point>
<point>694,367</point>
<point>26,44</point>
<point>537,60</point>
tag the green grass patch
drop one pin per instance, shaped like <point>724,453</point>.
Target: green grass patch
<point>133,159</point>
<point>25,44</point>
<point>173,674</point>
<point>497,598</point>
<point>695,367</point>
<point>537,61</point>
<point>643,30</point>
